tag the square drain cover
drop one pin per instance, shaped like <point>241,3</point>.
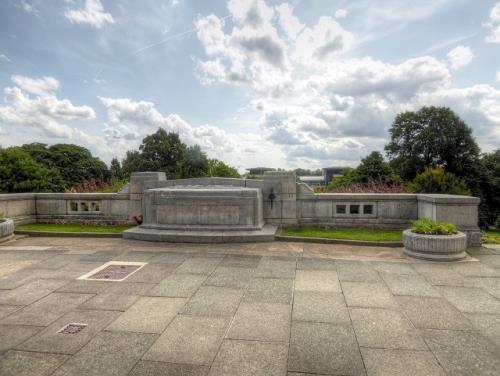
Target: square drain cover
<point>113,271</point>
<point>72,328</point>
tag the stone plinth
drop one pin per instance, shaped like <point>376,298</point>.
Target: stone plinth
<point>202,214</point>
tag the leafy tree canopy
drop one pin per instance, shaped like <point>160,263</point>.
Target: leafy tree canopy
<point>437,180</point>
<point>432,136</point>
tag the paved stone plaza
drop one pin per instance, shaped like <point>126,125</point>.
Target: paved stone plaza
<point>245,309</point>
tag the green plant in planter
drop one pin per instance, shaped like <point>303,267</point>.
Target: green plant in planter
<point>428,226</point>
<point>1,216</point>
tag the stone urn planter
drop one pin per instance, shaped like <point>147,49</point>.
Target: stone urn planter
<point>435,247</point>
<point>6,229</point>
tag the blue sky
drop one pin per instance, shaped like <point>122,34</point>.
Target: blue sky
<point>285,84</point>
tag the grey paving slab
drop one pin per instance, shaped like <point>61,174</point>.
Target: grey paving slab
<point>139,256</point>
<point>175,258</point>
<point>317,280</point>
<point>110,302</point>
<point>21,277</point>
<point>269,290</point>
<point>433,313</point>
<point>324,348</point>
<point>30,292</point>
<point>387,362</point>
<point>103,256</point>
<point>145,368</point>
<point>366,294</point>
<point>384,328</point>
<point>148,315</point>
<point>135,288</point>
<point>213,301</point>
<point>107,354</point>
<point>84,287</point>
<point>414,285</point>
<point>261,321</point>
<point>6,310</point>
<point>492,261</point>
<point>440,275</point>
<point>463,352</point>
<point>49,340</point>
<point>271,267</point>
<point>250,358</point>
<point>178,285</point>
<point>357,272</point>
<point>152,273</point>
<point>56,262</point>
<point>241,261</point>
<point>401,268</point>
<point>490,285</point>
<point>308,263</point>
<point>475,269</point>
<point>471,300</point>
<point>19,363</point>
<point>189,340</point>
<point>47,309</point>
<point>320,307</point>
<point>230,277</point>
<point>199,265</point>
<point>488,325</point>
<point>13,335</point>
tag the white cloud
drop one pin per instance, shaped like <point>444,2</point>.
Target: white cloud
<point>340,13</point>
<point>91,14</point>
<point>29,7</point>
<point>325,106</point>
<point>43,112</point>
<point>460,56</point>
<point>498,76</point>
<point>4,58</point>
<point>493,25</point>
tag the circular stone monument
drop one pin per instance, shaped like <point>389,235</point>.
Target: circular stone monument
<point>202,214</point>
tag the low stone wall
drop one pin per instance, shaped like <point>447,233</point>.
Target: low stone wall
<point>20,207</point>
<point>6,229</point>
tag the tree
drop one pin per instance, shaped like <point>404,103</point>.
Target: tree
<point>19,172</point>
<point>489,188</point>
<point>432,136</point>
<point>374,167</point>
<point>115,169</point>
<point>437,180</point>
<point>219,169</point>
<point>162,151</point>
<point>194,163</point>
<point>133,162</point>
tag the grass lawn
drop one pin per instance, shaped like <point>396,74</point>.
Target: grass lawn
<point>344,233</point>
<point>50,227</point>
<point>492,237</point>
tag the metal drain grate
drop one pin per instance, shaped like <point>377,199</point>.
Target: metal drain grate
<point>113,271</point>
<point>72,328</point>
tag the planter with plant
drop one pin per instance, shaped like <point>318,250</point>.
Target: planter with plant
<point>6,228</point>
<point>433,240</point>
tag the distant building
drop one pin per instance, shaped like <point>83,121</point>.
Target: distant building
<point>259,171</point>
<point>331,172</point>
<point>312,180</point>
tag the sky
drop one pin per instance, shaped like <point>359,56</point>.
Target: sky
<point>308,83</point>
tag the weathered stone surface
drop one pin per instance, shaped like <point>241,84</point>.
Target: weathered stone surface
<point>144,368</point>
<point>110,302</point>
<point>321,348</point>
<point>387,362</point>
<point>20,363</point>
<point>189,340</point>
<point>178,285</point>
<point>317,280</point>
<point>364,294</point>
<point>250,358</point>
<point>435,247</point>
<point>414,285</point>
<point>320,307</point>
<point>470,300</point>
<point>13,335</point>
<point>357,272</point>
<point>269,290</point>
<point>213,301</point>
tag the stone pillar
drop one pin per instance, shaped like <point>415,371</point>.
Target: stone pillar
<point>279,193</point>
<point>137,180</point>
<point>460,210</point>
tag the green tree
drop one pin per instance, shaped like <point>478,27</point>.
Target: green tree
<point>162,151</point>
<point>194,163</point>
<point>19,172</point>
<point>115,169</point>
<point>374,167</point>
<point>489,188</point>
<point>432,136</point>
<point>437,180</point>
<point>219,169</point>
<point>133,162</point>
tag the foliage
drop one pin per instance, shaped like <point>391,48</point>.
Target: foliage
<point>194,163</point>
<point>374,168</point>
<point>343,233</point>
<point>115,169</point>
<point>19,172</point>
<point>307,172</point>
<point>98,186</point>
<point>432,136</point>
<point>497,223</point>
<point>72,228</point>
<point>219,169</point>
<point>489,188</point>
<point>431,227</point>
<point>437,180</point>
<point>491,237</point>
<point>371,187</point>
